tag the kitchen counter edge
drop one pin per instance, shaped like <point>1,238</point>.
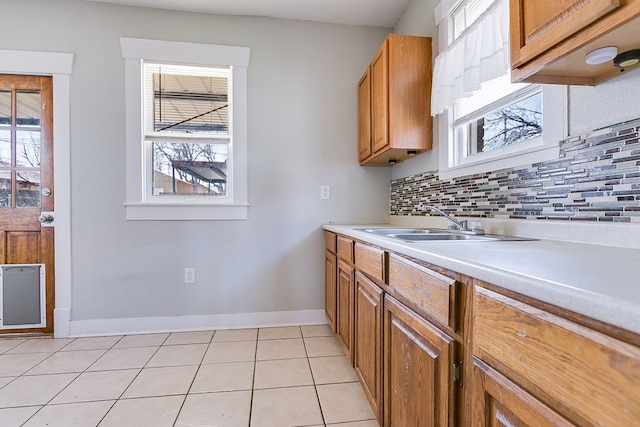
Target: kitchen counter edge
<point>573,277</point>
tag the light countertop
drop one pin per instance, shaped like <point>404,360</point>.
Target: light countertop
<point>602,282</point>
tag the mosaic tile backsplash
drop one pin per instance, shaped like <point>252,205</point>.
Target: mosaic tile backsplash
<point>596,178</point>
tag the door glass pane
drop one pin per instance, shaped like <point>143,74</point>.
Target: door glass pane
<point>28,148</point>
<point>28,108</point>
<point>189,169</point>
<point>5,106</point>
<point>5,148</point>
<point>27,189</point>
<point>5,189</point>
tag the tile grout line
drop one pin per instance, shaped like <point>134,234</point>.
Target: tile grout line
<point>194,378</point>
<point>253,378</point>
<point>164,344</point>
<point>315,385</point>
<point>72,381</point>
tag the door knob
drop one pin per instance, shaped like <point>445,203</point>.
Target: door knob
<point>45,218</point>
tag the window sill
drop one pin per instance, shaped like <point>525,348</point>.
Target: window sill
<point>527,157</point>
<point>185,212</point>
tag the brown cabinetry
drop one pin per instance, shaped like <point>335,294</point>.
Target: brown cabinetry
<point>394,97</point>
<point>549,40</point>
<point>500,402</point>
<point>406,325</point>
<point>345,291</point>
<point>368,340</point>
<point>535,368</point>
<point>418,360</point>
<point>330,275</point>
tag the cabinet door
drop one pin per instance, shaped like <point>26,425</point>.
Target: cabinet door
<point>368,340</point>
<point>417,379</point>
<point>380,99</point>
<point>364,116</point>
<point>345,308</point>
<point>330,272</point>
<point>497,401</point>
<point>588,377</point>
<point>537,26</point>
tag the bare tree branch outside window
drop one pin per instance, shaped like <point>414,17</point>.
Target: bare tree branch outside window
<point>512,124</point>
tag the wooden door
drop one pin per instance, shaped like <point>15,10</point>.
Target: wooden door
<point>344,312</point>
<point>418,377</point>
<point>368,340</point>
<point>380,99</point>
<point>364,116</point>
<point>499,402</point>
<point>330,272</point>
<point>26,178</point>
<point>537,26</point>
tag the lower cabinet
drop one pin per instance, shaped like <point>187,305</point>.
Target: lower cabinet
<point>535,368</point>
<point>345,308</point>
<point>368,340</point>
<point>406,326</point>
<point>498,401</point>
<point>330,300</point>
<point>418,360</point>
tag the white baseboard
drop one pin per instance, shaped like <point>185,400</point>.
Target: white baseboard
<point>146,325</point>
<point>61,322</point>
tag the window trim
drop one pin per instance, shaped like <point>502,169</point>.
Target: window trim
<point>540,149</point>
<point>139,205</point>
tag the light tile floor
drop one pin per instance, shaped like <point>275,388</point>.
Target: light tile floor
<point>290,376</point>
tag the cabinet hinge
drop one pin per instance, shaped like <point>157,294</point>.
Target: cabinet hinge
<point>457,373</point>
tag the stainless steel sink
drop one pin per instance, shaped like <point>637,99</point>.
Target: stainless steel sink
<point>387,231</point>
<point>416,235</point>
<point>439,236</point>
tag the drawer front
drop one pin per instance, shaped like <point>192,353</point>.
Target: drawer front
<point>345,248</point>
<point>330,241</point>
<point>429,292</point>
<point>590,378</point>
<point>370,260</point>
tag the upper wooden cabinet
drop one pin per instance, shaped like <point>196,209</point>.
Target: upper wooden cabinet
<point>549,39</point>
<point>394,99</point>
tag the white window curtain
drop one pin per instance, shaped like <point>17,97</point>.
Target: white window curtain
<point>479,54</point>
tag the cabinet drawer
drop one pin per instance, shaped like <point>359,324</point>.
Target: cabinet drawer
<point>370,260</point>
<point>429,292</point>
<point>330,241</point>
<point>345,248</point>
<point>588,377</point>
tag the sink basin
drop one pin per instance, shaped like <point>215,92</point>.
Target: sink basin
<point>388,231</point>
<point>439,236</point>
<point>416,235</point>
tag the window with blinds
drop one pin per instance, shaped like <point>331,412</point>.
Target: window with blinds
<point>187,128</point>
<point>466,14</point>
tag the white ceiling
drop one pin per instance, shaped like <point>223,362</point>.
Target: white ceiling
<point>375,13</point>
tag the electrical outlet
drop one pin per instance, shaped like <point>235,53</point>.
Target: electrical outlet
<point>189,275</point>
<point>325,192</point>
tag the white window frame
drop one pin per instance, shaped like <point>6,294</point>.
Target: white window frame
<point>554,100</point>
<point>140,203</point>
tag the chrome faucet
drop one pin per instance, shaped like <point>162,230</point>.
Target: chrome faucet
<point>462,224</point>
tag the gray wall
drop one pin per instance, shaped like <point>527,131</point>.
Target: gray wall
<point>589,107</point>
<point>302,133</point>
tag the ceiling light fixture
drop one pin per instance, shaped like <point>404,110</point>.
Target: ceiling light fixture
<point>627,59</point>
<point>602,55</point>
